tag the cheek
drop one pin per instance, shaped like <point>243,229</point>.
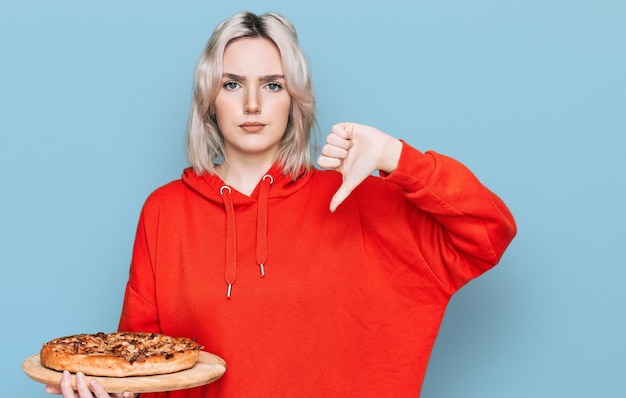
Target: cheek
<point>285,109</point>
<point>222,110</point>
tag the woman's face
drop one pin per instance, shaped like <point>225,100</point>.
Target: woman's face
<point>252,105</point>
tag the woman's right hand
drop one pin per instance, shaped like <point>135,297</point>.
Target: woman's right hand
<point>356,151</point>
<point>83,390</point>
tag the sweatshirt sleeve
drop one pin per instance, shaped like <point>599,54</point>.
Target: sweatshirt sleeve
<point>467,226</point>
<point>139,311</point>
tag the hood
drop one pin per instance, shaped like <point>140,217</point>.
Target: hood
<point>274,184</point>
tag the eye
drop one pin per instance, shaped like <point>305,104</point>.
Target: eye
<point>274,86</point>
<point>231,85</point>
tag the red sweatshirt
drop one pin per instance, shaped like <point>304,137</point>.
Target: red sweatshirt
<point>350,303</point>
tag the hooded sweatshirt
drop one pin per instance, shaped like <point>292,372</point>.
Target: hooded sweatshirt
<point>302,302</point>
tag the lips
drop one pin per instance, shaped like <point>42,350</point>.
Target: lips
<point>252,127</point>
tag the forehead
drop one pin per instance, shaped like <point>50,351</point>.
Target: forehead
<point>252,56</point>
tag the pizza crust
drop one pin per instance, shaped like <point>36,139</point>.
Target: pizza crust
<point>120,354</point>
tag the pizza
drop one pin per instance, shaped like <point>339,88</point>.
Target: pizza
<point>120,354</point>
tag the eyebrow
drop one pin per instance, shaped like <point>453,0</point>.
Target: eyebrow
<point>266,78</point>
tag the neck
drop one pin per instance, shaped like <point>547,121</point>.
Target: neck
<point>243,176</point>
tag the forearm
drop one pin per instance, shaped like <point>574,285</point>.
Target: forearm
<point>472,225</point>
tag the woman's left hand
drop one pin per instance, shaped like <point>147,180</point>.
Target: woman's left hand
<point>356,151</point>
<point>82,388</point>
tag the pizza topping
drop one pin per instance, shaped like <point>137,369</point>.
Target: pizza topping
<point>130,347</point>
<point>126,345</point>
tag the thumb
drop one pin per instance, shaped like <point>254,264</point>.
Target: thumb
<point>342,193</point>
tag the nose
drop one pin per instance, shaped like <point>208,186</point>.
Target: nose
<point>252,102</point>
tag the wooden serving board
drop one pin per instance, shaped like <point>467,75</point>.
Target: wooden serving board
<point>209,368</point>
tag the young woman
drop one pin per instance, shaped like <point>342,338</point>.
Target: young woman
<point>307,282</point>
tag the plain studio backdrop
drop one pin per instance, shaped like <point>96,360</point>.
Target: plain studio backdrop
<point>531,95</point>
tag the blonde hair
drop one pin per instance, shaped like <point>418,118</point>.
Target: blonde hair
<point>205,143</point>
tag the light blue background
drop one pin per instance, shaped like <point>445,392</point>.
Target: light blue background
<point>530,94</point>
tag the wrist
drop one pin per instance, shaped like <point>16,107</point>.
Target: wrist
<point>392,149</point>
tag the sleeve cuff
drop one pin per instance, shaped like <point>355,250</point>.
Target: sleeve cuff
<point>414,168</point>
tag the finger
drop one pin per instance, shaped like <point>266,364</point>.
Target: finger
<point>343,130</point>
<point>328,162</point>
<point>333,151</point>
<point>66,385</point>
<point>53,390</point>
<point>81,386</point>
<point>342,193</point>
<point>98,390</point>
<point>336,140</point>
